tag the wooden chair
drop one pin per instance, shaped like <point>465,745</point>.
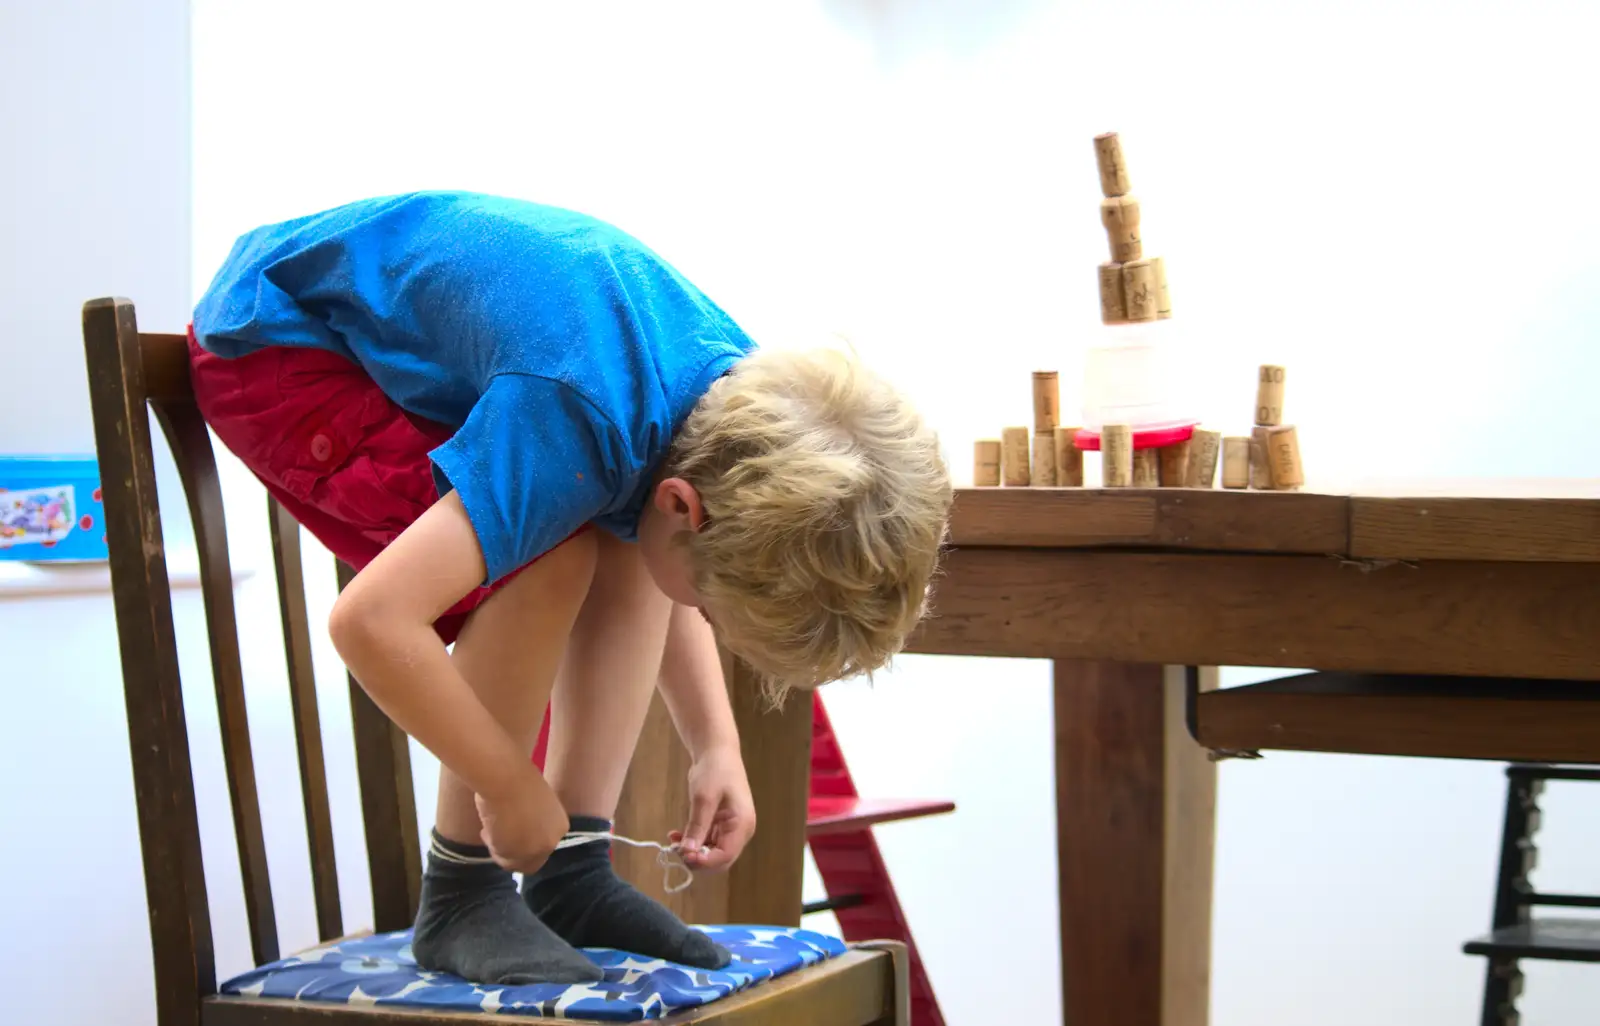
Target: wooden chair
<point>128,371</point>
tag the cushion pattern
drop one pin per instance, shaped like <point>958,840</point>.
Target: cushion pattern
<point>379,970</point>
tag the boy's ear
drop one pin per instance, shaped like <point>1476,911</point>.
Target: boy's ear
<point>678,500</point>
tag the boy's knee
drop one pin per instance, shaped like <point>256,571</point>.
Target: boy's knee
<point>568,568</point>
<point>621,579</point>
<point>556,581</point>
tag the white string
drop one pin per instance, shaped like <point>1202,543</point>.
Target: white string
<point>668,856</point>
<point>439,851</point>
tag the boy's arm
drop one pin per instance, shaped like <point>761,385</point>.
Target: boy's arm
<point>692,685</point>
<point>382,627</point>
<point>722,816</point>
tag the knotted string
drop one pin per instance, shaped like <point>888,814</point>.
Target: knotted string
<point>440,852</point>
<point>668,856</point>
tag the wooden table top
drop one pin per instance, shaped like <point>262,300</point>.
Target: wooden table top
<point>1530,520</point>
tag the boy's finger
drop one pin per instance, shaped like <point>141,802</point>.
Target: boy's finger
<point>733,836</point>
<point>712,859</point>
<point>708,860</point>
<point>701,810</point>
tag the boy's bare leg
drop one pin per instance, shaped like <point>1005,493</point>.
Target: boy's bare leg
<point>470,920</point>
<point>603,692</point>
<point>602,697</point>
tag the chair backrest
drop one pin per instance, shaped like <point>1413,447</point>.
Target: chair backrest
<point>128,373</point>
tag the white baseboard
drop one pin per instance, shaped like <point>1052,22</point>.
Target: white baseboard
<point>34,580</point>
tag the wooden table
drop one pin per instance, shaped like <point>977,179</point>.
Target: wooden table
<point>1495,585</point>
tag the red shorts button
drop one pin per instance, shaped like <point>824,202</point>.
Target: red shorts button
<point>321,447</point>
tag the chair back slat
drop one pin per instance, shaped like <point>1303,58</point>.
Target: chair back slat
<point>388,806</point>
<point>197,467</point>
<point>163,779</point>
<point>307,723</point>
<point>166,368</point>
<point>131,375</point>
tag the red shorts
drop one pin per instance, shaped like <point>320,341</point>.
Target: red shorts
<point>346,462</point>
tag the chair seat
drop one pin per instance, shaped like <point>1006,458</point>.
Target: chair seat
<point>831,814</point>
<point>379,971</point>
<point>1564,939</point>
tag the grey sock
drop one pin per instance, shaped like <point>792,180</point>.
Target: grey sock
<point>470,922</point>
<point>580,897</point>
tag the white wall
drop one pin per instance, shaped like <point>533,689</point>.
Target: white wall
<point>1347,194</point>
<point>94,195</point>
<point>1393,203</point>
<point>94,201</point>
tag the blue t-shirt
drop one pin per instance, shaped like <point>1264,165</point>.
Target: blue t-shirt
<point>564,351</point>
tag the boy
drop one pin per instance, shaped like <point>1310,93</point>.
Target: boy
<point>451,391</point>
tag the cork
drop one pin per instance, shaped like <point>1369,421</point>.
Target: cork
<point>1113,171</point>
<point>1163,301</point>
<point>1120,215</point>
<point>1269,396</point>
<point>1260,469</point>
<point>1146,469</point>
<point>1236,462</point>
<point>1044,459</point>
<point>1014,459</point>
<point>1069,458</point>
<point>1046,402</point>
<point>1283,456</point>
<point>1113,308</point>
<point>1204,448</point>
<point>1116,455</point>
<point>1139,290</point>
<point>986,463</point>
<point>1173,464</point>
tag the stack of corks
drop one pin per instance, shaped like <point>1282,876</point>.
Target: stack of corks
<point>1133,287</point>
<point>1052,460</point>
<point>1047,455</point>
<point>1269,458</point>
<point>1190,463</point>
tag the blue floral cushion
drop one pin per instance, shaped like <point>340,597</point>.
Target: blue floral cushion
<point>379,970</point>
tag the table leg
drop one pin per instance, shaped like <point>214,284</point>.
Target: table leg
<point>655,800</point>
<point>1135,825</point>
<point>764,886</point>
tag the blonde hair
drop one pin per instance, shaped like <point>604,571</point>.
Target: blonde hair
<point>826,502</point>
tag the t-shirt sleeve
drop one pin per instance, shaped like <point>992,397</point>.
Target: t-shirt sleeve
<point>533,463</point>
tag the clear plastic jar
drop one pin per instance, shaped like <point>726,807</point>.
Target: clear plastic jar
<point>1129,379</point>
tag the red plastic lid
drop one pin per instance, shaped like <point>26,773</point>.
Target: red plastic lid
<point>1148,438</point>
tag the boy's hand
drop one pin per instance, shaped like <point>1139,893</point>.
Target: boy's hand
<point>722,815</point>
<point>520,829</point>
